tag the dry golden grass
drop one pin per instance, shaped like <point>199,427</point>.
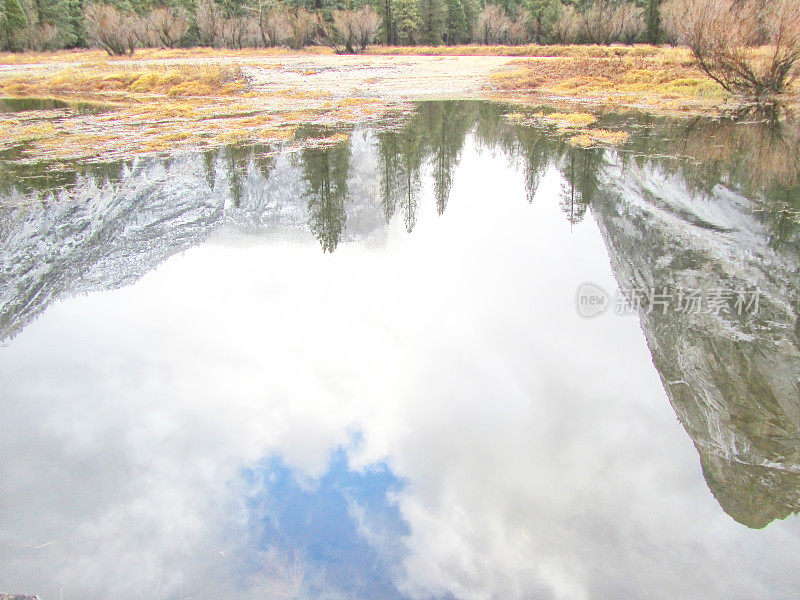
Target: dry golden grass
<point>204,52</point>
<point>576,124</point>
<point>172,81</point>
<point>576,120</point>
<point>667,79</point>
<point>168,108</point>
<point>15,131</point>
<point>152,109</point>
<point>62,56</point>
<point>599,137</point>
<point>125,132</point>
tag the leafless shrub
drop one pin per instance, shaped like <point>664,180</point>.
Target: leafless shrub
<point>567,27</point>
<point>41,38</point>
<point>355,28</point>
<point>724,36</point>
<point>303,27</point>
<point>253,32</point>
<point>167,26</point>
<point>110,30</point>
<point>492,26</point>
<point>274,25</point>
<point>772,140</point>
<point>209,19</point>
<point>519,31</point>
<point>368,25</point>
<point>344,30</point>
<point>629,23</point>
<point>140,29</point>
<point>608,21</point>
<point>238,32</point>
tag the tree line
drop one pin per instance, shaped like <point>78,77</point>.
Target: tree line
<point>121,26</point>
<point>724,35</point>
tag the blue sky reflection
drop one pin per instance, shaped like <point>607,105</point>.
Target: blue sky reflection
<point>343,531</point>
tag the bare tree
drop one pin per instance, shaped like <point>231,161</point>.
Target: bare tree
<point>355,29</point>
<point>237,31</point>
<point>209,19</point>
<point>273,24</point>
<point>168,26</point>
<point>725,38</point>
<point>519,31</point>
<point>492,26</point>
<point>368,23</point>
<point>107,28</point>
<point>567,27</point>
<point>303,27</point>
<point>140,28</point>
<point>607,21</point>
<point>344,30</point>
<point>628,22</point>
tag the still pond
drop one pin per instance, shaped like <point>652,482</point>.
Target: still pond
<point>449,357</point>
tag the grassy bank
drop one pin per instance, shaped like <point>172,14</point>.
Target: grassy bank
<point>140,109</point>
<point>125,83</point>
<point>164,101</point>
<point>665,80</point>
<point>641,76</point>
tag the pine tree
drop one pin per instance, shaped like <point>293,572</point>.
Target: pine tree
<point>447,128</point>
<point>406,21</point>
<point>543,14</point>
<point>74,34</point>
<point>653,19</point>
<point>471,10</point>
<point>456,30</point>
<point>433,15</point>
<point>385,10</point>
<point>54,13</point>
<point>12,21</point>
<point>511,7</point>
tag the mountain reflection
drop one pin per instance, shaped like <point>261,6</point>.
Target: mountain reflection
<point>732,380</point>
<point>708,203</point>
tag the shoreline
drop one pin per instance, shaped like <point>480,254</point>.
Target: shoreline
<point>166,101</point>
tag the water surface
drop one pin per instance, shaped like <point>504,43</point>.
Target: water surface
<point>359,371</point>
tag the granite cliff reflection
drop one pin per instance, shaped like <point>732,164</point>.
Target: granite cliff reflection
<point>734,381</point>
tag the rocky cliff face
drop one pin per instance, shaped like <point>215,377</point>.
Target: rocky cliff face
<point>100,235</point>
<point>733,380</point>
